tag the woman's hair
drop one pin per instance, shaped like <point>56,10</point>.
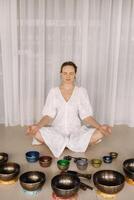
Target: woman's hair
<point>68,63</point>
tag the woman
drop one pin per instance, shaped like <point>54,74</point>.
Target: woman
<point>66,107</point>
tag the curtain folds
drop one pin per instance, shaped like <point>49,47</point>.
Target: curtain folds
<point>36,36</point>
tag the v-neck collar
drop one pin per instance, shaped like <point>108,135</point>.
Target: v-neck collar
<point>70,95</point>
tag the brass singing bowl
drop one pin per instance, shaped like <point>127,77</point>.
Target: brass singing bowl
<point>65,185</point>
<point>109,181</point>
<point>96,162</point>
<point>3,157</point>
<point>9,171</point>
<point>113,154</point>
<point>128,167</point>
<point>45,161</point>
<point>32,180</point>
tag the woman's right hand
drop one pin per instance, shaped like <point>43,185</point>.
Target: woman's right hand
<point>33,129</point>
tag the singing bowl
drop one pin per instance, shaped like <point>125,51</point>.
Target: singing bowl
<point>128,167</point>
<point>63,164</point>
<point>45,161</point>
<point>32,180</point>
<point>109,181</point>
<point>3,157</point>
<point>82,163</point>
<point>32,156</point>
<point>96,162</point>
<point>65,185</point>
<point>107,159</point>
<point>114,155</point>
<point>9,171</point>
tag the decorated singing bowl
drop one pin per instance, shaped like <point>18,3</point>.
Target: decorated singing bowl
<point>63,164</point>
<point>32,180</point>
<point>3,157</point>
<point>65,185</point>
<point>109,181</point>
<point>32,156</point>
<point>45,161</point>
<point>9,171</point>
<point>128,167</point>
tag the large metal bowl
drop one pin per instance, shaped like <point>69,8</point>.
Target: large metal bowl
<point>3,157</point>
<point>109,181</point>
<point>32,180</point>
<point>128,167</point>
<point>9,171</point>
<point>65,185</point>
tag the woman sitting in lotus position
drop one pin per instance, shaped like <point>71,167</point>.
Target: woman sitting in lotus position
<point>66,108</point>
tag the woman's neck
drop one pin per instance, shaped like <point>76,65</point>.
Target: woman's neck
<point>67,86</point>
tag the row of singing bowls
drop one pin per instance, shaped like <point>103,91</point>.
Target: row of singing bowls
<point>3,157</point>
<point>109,181</point>
<point>32,180</point>
<point>128,167</point>
<point>65,185</point>
<point>9,171</point>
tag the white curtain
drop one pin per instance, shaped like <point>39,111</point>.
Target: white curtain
<point>36,36</point>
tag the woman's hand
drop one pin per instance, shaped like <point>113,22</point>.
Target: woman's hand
<point>105,129</point>
<point>33,129</point>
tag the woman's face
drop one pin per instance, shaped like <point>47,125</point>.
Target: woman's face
<point>68,74</point>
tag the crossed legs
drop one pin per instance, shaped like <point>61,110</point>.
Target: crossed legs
<point>96,137</point>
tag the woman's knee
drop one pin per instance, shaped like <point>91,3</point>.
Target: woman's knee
<point>96,137</point>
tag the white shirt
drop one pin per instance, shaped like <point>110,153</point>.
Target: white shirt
<point>66,125</point>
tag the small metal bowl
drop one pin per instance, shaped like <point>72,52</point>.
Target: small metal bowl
<point>107,159</point>
<point>32,180</point>
<point>32,156</point>
<point>3,157</point>
<point>45,161</point>
<point>109,181</point>
<point>63,164</point>
<point>128,167</point>
<point>82,163</point>
<point>96,163</point>
<point>65,185</point>
<point>9,171</point>
<point>114,155</point>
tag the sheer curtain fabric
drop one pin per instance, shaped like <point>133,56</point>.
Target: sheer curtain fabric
<point>36,36</point>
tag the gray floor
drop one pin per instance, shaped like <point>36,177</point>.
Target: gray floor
<point>14,141</point>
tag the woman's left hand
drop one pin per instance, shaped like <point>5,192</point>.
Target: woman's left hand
<point>105,129</point>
